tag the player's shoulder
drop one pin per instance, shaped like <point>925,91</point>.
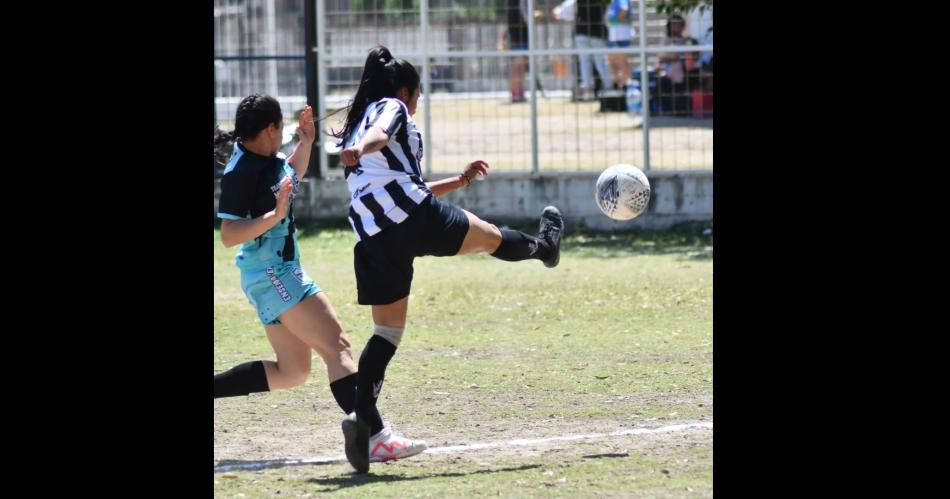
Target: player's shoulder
<point>243,162</point>
<point>387,103</point>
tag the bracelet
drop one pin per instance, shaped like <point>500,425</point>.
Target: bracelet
<point>468,181</point>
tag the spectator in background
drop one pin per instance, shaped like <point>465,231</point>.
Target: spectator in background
<point>620,32</point>
<point>589,32</point>
<point>517,34</point>
<point>699,26</point>
<point>674,86</point>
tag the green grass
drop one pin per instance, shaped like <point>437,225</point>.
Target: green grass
<point>618,336</point>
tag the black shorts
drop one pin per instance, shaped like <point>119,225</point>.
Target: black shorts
<point>383,262</point>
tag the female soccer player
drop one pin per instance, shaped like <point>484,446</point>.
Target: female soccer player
<point>398,217</point>
<point>257,192</point>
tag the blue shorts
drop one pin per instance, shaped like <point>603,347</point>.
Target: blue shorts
<point>276,289</point>
<point>619,43</point>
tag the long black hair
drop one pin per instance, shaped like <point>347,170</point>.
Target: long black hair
<point>382,76</point>
<point>255,113</point>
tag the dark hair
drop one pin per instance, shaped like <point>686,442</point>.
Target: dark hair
<point>254,113</point>
<point>223,147</point>
<point>382,76</point>
<point>669,21</point>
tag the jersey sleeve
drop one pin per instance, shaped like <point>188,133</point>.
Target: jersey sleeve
<point>391,118</point>
<point>237,190</point>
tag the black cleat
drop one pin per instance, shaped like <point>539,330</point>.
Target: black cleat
<point>356,436</point>
<point>550,230</point>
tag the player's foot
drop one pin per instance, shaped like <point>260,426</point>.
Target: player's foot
<point>386,446</point>
<point>356,437</point>
<point>550,230</point>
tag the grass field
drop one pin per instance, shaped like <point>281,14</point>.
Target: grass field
<point>619,336</point>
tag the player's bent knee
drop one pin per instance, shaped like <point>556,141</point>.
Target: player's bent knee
<point>390,334</point>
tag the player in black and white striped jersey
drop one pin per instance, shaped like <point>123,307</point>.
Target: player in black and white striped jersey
<point>397,217</point>
<point>387,185</point>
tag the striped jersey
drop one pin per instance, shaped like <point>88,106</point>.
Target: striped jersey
<point>385,186</point>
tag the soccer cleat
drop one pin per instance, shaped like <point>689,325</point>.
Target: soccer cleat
<point>386,446</point>
<point>356,437</point>
<point>550,230</point>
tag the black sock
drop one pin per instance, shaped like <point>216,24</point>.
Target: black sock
<point>516,246</point>
<point>344,391</point>
<point>249,377</point>
<point>372,370</point>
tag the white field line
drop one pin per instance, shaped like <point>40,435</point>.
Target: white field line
<point>278,463</point>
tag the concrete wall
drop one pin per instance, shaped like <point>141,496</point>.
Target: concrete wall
<point>677,196</point>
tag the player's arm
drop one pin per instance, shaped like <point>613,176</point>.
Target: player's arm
<point>374,140</point>
<point>236,231</point>
<point>300,159</point>
<point>386,123</point>
<point>447,185</point>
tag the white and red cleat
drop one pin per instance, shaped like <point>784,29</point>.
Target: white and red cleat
<point>386,446</point>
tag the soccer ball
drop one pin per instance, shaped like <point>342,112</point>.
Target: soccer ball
<point>623,192</point>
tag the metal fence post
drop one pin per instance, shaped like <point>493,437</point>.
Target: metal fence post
<point>321,72</point>
<point>311,79</point>
<point>644,84</point>
<point>426,87</point>
<point>534,81</point>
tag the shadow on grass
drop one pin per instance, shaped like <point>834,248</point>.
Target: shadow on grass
<point>355,479</point>
<point>606,455</point>
<point>680,122</point>
<point>232,465</point>
<point>688,240</point>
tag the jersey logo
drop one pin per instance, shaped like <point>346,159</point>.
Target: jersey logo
<point>359,191</point>
<point>278,284</point>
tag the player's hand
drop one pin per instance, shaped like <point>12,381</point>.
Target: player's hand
<point>283,198</point>
<point>305,128</point>
<point>351,156</point>
<point>474,169</point>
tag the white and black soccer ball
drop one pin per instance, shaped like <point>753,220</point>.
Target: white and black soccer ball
<point>623,192</point>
